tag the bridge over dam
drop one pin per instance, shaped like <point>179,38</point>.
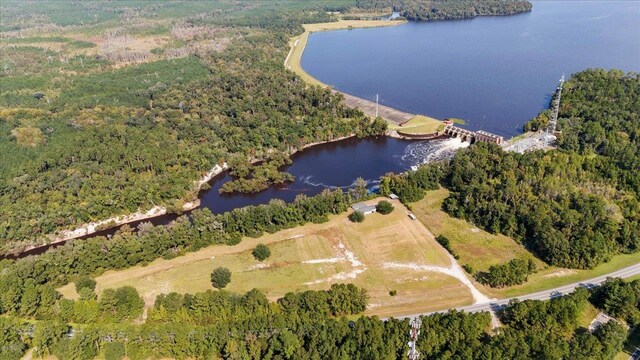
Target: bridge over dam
<point>472,136</point>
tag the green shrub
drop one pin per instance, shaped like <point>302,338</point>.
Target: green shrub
<point>447,245</point>
<point>220,277</point>
<point>356,216</point>
<point>384,207</point>
<point>261,252</point>
<point>515,272</point>
<point>85,282</point>
<point>468,268</point>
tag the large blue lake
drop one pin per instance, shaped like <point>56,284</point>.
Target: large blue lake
<point>494,72</point>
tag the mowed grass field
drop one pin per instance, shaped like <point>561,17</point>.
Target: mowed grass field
<point>475,246</point>
<point>419,124</point>
<point>481,249</point>
<point>314,256</point>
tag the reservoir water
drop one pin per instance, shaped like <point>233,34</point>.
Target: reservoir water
<point>494,72</point>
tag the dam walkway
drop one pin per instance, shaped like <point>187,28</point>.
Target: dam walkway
<point>369,108</point>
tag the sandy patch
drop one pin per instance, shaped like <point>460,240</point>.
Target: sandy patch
<point>560,273</point>
<point>454,270</point>
<point>257,267</point>
<point>344,254</point>
<point>325,261</point>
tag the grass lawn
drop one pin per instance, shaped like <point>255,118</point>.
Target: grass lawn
<point>475,247</point>
<point>299,42</point>
<point>313,257</point>
<point>481,249</point>
<point>587,315</point>
<point>635,277</point>
<point>552,277</point>
<point>419,124</point>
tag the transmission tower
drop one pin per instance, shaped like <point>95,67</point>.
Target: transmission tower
<point>414,332</point>
<point>551,128</point>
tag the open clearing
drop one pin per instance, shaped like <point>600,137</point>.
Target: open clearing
<point>385,252</point>
<point>419,124</point>
<point>481,249</point>
<point>475,247</point>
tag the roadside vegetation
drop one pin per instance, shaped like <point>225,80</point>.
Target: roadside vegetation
<point>177,325</point>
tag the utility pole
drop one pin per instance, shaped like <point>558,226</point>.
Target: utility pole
<point>376,105</point>
<point>415,323</point>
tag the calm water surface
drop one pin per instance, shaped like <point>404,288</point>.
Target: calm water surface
<point>337,165</point>
<point>494,72</point>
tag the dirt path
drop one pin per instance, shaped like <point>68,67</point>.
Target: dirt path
<point>454,271</point>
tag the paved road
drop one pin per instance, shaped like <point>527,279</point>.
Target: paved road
<point>546,294</point>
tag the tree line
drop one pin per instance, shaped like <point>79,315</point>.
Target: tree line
<point>425,10</point>
<point>514,272</point>
<point>306,326</point>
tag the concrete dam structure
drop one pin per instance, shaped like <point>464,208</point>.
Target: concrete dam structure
<point>472,136</point>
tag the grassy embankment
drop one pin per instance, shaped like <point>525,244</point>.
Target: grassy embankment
<point>419,124</point>
<point>481,249</point>
<point>312,257</point>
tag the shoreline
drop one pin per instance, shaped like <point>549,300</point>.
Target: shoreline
<point>298,44</point>
<point>115,221</point>
<point>293,62</point>
<point>156,211</point>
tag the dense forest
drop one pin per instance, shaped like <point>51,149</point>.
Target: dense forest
<point>424,10</point>
<point>308,325</point>
<point>86,138</point>
<point>574,207</point>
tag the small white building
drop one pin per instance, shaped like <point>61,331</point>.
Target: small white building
<point>364,208</point>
